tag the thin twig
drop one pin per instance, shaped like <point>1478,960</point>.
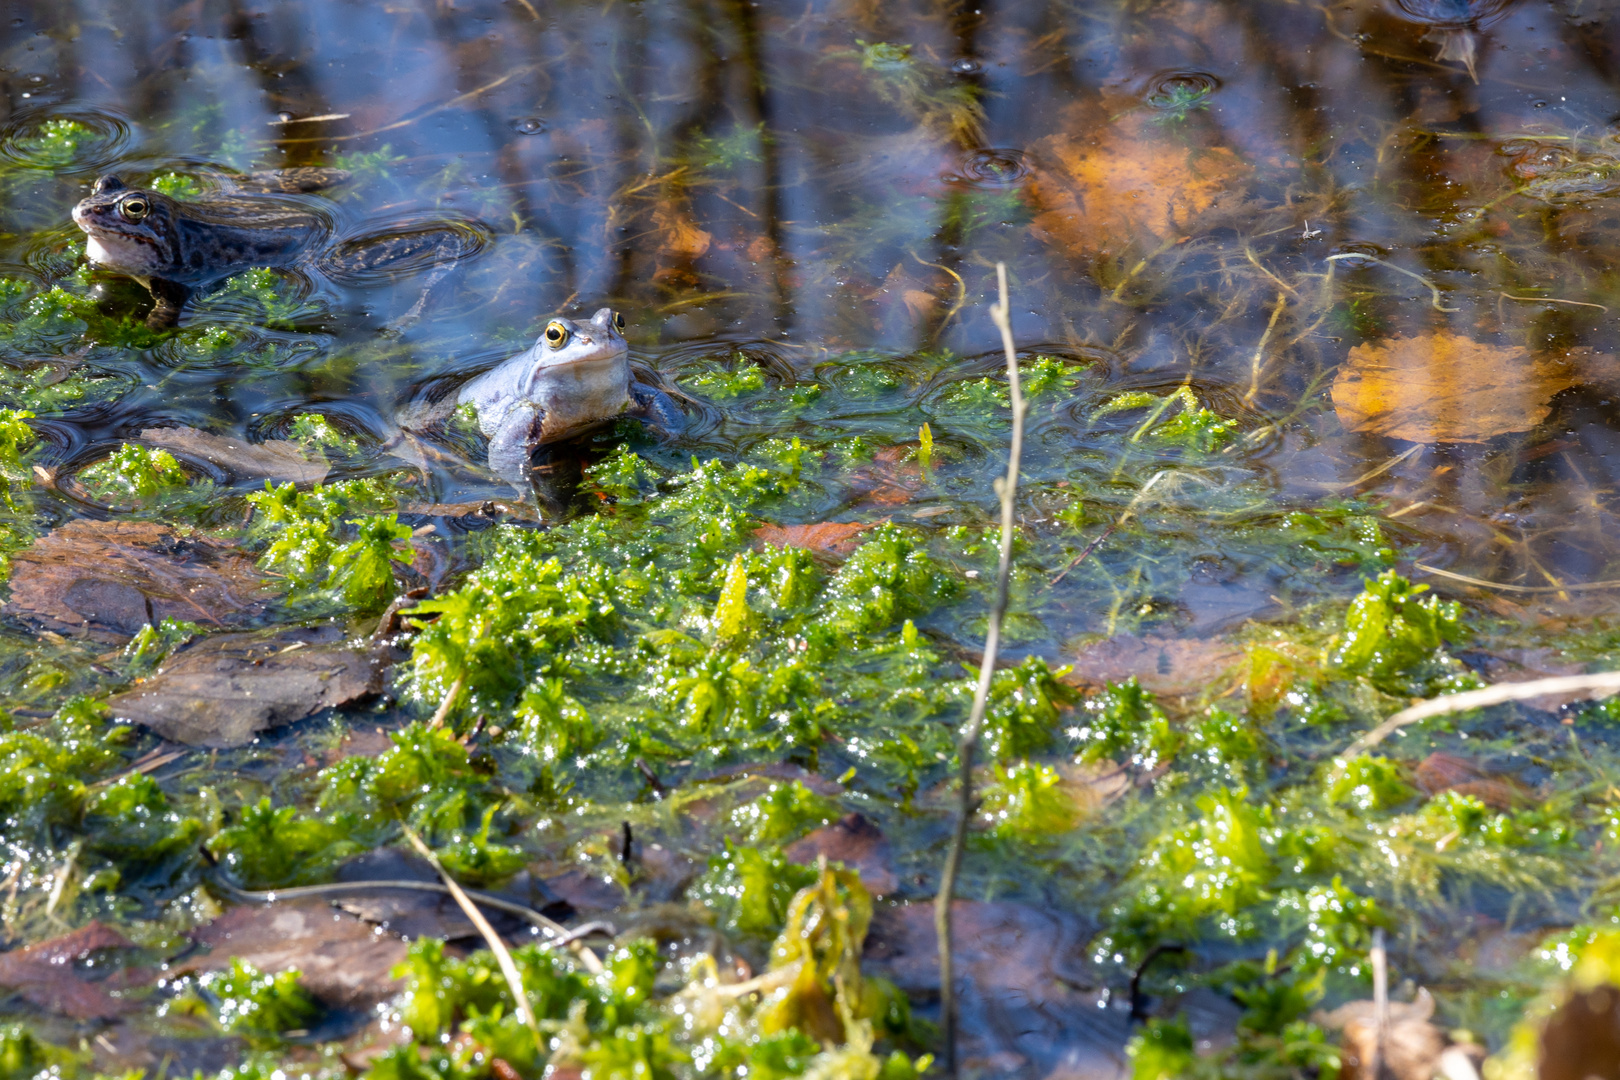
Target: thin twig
<point>1483,584</point>
<point>1007,488</point>
<point>1380,967</point>
<point>442,713</point>
<point>1596,684</point>
<point>514,981</point>
<point>1551,300</point>
<point>1433,288</point>
<point>408,121</point>
<point>1255,367</point>
<point>1113,526</point>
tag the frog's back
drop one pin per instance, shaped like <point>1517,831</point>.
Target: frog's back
<point>219,237</point>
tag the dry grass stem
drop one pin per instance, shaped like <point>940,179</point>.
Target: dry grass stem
<point>1504,587</point>
<point>514,981</point>
<point>1595,684</point>
<point>1007,489</point>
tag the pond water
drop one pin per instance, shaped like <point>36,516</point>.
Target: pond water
<point>1302,293</point>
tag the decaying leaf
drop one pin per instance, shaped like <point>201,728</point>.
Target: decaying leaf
<point>1448,772</point>
<point>1444,387</point>
<point>1027,994</point>
<point>342,961</point>
<point>273,460</point>
<point>855,842</point>
<point>1413,1048</point>
<point>1100,194</point>
<point>828,537</point>
<point>107,579</point>
<point>1582,1038</point>
<point>44,975</point>
<point>1166,666</point>
<point>223,690</point>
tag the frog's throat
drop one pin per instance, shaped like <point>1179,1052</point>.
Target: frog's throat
<point>133,255</point>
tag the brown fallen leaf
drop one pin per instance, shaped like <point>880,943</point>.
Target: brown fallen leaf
<point>107,579</point>
<point>223,690</point>
<point>1102,193</point>
<point>44,975</point>
<point>1413,1047</point>
<point>276,459</point>
<point>1026,992</point>
<point>1170,667</point>
<point>342,961</point>
<point>826,537</point>
<point>1448,772</point>
<point>1444,387</point>
<point>855,842</point>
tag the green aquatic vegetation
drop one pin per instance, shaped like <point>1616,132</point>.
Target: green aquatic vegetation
<point>473,859</point>
<point>151,644</point>
<point>1217,866</point>
<point>321,549</point>
<point>877,54</point>
<point>1123,719</point>
<point>131,823</point>
<point>1176,102</point>
<point>1227,744</point>
<point>964,212</point>
<point>785,812</point>
<point>134,473</point>
<point>728,383</point>
<point>1162,1050</point>
<point>276,846</point>
<point>1027,800</point>
<point>1392,627</point>
<point>317,432</point>
<point>722,153</point>
<point>1343,534</point>
<point>1191,425</point>
<point>428,780</point>
<point>749,888</point>
<point>17,437</point>
<point>1045,375</point>
<point>890,578</point>
<point>977,396</point>
<point>176,185</point>
<point>367,166</point>
<point>1025,707</point>
<point>24,1057</point>
<point>923,92</point>
<point>1369,784</point>
<point>43,771</point>
<point>251,1002</point>
<point>267,297</point>
<point>55,143</point>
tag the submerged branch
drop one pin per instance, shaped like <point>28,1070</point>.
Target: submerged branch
<point>1007,488</point>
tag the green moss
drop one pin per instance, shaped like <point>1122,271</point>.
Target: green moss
<point>1028,801</point>
<point>1368,784</point>
<point>176,186</point>
<point>1124,720</point>
<point>319,433</point>
<point>750,888</point>
<point>250,1002</point>
<point>785,812</point>
<point>270,846</point>
<point>315,543</point>
<point>728,384</point>
<point>134,473</point>
<point>1392,628</point>
<point>55,143</point>
<point>25,1057</point>
<point>131,823</point>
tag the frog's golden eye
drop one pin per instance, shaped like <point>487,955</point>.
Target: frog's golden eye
<point>133,209</point>
<point>618,320</point>
<point>556,335</point>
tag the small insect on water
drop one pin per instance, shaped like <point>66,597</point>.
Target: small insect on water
<point>1310,233</point>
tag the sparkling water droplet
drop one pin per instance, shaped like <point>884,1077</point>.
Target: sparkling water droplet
<point>284,117</point>
<point>966,65</point>
<point>528,125</point>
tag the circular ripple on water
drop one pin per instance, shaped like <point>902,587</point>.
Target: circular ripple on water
<point>54,253</point>
<point>1171,90</point>
<point>382,253</point>
<point>994,167</point>
<point>37,140</point>
<point>1450,14</point>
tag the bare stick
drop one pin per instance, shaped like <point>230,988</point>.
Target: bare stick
<point>442,713</point>
<point>1597,684</point>
<point>514,981</point>
<point>1505,587</point>
<point>1431,286</point>
<point>1380,966</point>
<point>1007,488</point>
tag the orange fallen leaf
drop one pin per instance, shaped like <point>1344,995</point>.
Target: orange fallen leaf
<point>827,537</point>
<point>681,238</point>
<point>1444,387</point>
<point>1100,194</point>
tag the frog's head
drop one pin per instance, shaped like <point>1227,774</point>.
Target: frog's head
<point>131,230</point>
<point>572,349</point>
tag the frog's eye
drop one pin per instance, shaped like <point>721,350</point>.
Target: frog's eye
<point>556,335</point>
<point>133,209</point>
<point>618,320</point>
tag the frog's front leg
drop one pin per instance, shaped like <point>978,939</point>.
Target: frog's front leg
<point>512,444</point>
<point>168,297</point>
<point>657,410</point>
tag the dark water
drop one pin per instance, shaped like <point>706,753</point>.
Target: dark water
<point>752,185</point>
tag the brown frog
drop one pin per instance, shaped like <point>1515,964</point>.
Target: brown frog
<point>176,247</point>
